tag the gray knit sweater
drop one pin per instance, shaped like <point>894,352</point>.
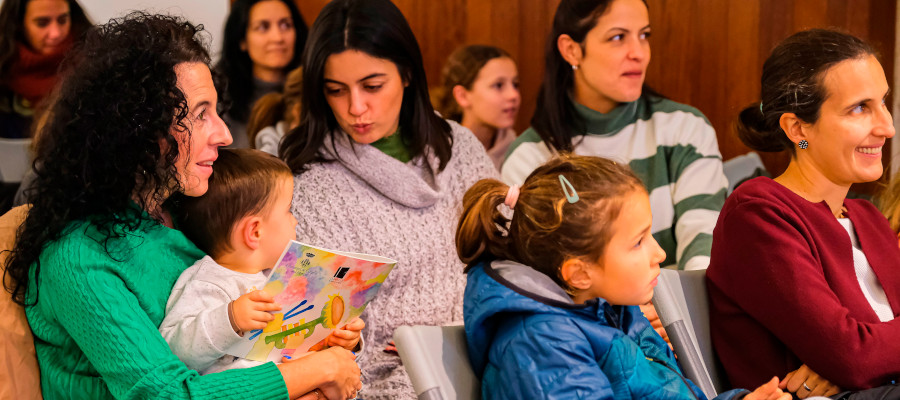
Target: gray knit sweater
<point>369,202</point>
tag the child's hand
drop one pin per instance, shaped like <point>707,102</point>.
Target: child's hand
<point>390,348</point>
<point>807,383</point>
<point>348,336</point>
<point>250,311</point>
<point>768,391</point>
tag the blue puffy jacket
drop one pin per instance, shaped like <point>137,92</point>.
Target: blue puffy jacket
<point>528,340</point>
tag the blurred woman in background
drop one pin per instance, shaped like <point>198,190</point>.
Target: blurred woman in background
<point>35,35</point>
<point>263,42</point>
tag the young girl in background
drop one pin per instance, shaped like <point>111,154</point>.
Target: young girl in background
<point>551,300</point>
<point>275,114</point>
<point>480,90</point>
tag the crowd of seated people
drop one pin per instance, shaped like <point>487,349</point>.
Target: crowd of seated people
<point>141,242</point>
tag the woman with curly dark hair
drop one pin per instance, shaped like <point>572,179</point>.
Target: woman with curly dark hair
<point>35,35</point>
<point>134,127</point>
<point>262,43</point>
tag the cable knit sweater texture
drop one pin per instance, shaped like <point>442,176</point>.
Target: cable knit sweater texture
<point>96,318</point>
<point>369,202</point>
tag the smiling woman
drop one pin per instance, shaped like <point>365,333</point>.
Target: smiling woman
<point>35,35</point>
<point>97,255</point>
<point>782,245</point>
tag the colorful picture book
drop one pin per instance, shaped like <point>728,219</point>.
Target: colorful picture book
<point>319,290</point>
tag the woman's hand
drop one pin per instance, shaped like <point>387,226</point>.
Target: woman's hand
<point>251,311</point>
<point>806,383</point>
<point>768,391</point>
<point>333,371</point>
<point>348,336</point>
<point>650,313</point>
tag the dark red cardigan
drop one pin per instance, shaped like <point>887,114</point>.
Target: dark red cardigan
<point>783,291</point>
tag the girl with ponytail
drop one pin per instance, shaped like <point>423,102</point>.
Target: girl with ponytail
<point>551,302</point>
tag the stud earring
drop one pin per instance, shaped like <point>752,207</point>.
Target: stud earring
<point>574,68</point>
<point>803,144</point>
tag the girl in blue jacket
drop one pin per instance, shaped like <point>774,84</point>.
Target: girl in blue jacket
<point>551,300</point>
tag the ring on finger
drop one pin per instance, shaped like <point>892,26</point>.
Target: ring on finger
<point>805,386</point>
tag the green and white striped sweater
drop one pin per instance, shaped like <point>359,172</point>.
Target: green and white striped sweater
<point>671,147</point>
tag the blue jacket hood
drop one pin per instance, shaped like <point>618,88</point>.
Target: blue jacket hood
<point>527,339</point>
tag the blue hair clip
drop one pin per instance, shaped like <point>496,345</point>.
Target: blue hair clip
<point>567,186</point>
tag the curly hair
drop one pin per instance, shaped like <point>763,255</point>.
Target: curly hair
<point>101,148</point>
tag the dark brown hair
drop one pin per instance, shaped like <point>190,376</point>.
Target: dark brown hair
<point>556,120</point>
<point>12,22</point>
<point>243,183</point>
<point>793,81</point>
<point>546,229</point>
<point>274,107</point>
<point>378,29</point>
<point>462,68</point>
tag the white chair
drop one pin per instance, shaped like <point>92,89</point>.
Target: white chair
<point>681,302</point>
<point>14,159</point>
<point>437,361</point>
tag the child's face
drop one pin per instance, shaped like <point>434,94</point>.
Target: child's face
<point>278,224</point>
<point>627,272</point>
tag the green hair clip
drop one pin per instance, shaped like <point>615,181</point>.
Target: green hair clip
<point>567,186</point>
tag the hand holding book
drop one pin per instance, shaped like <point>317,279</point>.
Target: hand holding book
<point>251,311</point>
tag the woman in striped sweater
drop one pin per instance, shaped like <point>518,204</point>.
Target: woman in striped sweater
<point>594,102</point>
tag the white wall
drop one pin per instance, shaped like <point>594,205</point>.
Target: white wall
<point>210,13</point>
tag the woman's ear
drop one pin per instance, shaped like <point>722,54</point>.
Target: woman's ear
<point>576,273</point>
<point>569,49</point>
<point>461,95</point>
<point>793,127</point>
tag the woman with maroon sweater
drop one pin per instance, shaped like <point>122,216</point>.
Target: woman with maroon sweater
<point>802,279</point>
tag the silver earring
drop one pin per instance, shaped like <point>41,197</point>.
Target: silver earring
<point>803,144</point>
<point>574,68</point>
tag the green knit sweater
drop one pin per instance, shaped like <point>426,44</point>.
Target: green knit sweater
<point>95,322</point>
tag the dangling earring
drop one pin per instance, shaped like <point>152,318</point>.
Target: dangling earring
<point>803,144</point>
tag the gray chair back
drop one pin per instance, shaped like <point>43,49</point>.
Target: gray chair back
<point>437,362</point>
<point>681,302</point>
<point>14,159</point>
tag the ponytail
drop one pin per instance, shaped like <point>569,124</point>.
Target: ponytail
<point>483,229</point>
<point>759,133</point>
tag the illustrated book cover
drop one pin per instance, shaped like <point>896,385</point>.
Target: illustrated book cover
<point>319,290</point>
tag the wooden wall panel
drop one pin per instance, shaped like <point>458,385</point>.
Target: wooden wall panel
<point>706,53</point>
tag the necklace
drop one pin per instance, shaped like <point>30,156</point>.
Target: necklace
<point>842,212</point>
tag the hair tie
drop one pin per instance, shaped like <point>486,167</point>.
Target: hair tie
<point>512,196</point>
